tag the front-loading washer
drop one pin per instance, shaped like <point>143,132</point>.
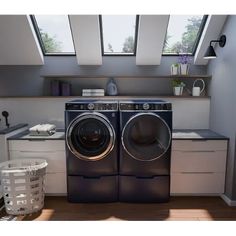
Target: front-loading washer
<point>145,150</point>
<point>92,150</point>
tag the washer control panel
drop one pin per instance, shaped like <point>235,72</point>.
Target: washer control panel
<point>92,106</point>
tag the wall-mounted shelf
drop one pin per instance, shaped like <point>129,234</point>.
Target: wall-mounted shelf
<point>134,76</point>
<point>108,97</point>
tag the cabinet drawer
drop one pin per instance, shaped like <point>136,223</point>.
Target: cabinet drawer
<point>56,159</point>
<point>199,145</point>
<point>198,161</point>
<point>36,145</point>
<point>192,183</point>
<point>55,183</point>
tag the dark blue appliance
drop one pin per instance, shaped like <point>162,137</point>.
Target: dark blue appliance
<point>145,150</point>
<point>92,150</point>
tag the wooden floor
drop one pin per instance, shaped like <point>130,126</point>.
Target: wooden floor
<point>179,208</point>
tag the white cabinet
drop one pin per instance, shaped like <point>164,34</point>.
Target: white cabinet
<point>51,150</point>
<point>198,167</point>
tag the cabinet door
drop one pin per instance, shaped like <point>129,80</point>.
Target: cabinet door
<point>197,183</point>
<point>55,183</point>
<point>36,145</point>
<point>199,145</point>
<point>56,159</point>
<point>198,161</point>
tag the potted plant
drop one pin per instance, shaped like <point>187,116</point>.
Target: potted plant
<point>184,61</point>
<point>178,86</point>
<point>175,69</point>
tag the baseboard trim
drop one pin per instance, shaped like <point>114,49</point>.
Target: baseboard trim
<point>228,201</point>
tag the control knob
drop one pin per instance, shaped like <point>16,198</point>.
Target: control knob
<point>146,106</point>
<point>90,106</point>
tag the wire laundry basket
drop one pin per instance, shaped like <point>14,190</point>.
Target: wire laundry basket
<point>23,185</point>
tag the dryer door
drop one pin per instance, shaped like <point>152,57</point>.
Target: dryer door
<point>90,136</point>
<point>146,137</point>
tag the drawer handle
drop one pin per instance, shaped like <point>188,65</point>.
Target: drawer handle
<point>36,140</point>
<point>37,151</point>
<point>195,172</point>
<point>200,151</point>
<point>199,140</point>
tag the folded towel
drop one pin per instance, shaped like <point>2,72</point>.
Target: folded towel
<point>43,129</point>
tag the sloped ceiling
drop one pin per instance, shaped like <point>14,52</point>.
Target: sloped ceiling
<point>87,39</point>
<point>151,37</point>
<point>19,44</point>
<point>18,41</point>
<point>211,31</point>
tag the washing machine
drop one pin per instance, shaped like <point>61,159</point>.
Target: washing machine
<point>92,150</point>
<point>145,150</point>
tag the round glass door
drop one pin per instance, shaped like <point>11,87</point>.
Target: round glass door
<point>90,137</point>
<point>146,137</point>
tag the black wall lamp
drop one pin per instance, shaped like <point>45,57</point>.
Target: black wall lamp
<point>210,52</point>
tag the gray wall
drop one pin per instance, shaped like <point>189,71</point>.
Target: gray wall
<point>223,98</point>
<point>35,80</point>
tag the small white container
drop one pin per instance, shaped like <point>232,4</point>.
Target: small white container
<point>178,91</point>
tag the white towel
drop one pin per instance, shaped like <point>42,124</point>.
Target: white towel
<point>43,129</point>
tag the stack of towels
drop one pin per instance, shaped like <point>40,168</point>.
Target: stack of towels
<point>42,130</point>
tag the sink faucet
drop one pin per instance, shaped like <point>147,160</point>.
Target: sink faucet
<point>6,114</point>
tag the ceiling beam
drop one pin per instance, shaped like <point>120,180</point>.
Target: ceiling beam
<point>151,37</point>
<point>211,31</point>
<point>87,39</point>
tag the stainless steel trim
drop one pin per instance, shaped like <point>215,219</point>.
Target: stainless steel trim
<point>105,121</point>
<point>134,117</point>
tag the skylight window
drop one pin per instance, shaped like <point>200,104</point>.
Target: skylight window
<point>183,33</point>
<point>54,34</point>
<point>119,34</point>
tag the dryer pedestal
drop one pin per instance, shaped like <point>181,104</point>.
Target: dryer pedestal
<point>90,189</point>
<point>138,189</point>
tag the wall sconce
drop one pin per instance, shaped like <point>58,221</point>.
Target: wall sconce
<point>210,52</point>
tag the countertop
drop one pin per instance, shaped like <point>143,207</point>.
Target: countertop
<point>204,134</point>
<point>177,134</point>
<point>12,128</point>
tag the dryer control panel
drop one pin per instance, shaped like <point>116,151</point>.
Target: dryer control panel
<point>147,106</point>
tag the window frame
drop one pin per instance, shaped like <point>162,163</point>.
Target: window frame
<point>201,28</point>
<point>120,54</point>
<point>36,28</point>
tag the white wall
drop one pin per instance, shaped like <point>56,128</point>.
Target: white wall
<point>188,113</point>
<point>223,97</point>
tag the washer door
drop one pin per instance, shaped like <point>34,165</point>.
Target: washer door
<point>90,136</point>
<point>146,137</point>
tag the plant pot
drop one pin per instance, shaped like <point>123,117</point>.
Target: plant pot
<point>178,91</point>
<point>184,69</point>
<point>174,69</point>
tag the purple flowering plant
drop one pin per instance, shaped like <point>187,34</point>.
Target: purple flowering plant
<point>184,59</point>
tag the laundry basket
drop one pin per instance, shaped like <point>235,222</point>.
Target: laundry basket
<point>23,185</point>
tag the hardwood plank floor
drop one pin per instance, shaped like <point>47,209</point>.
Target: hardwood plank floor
<point>179,209</point>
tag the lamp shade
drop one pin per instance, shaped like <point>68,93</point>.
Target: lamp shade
<point>210,53</point>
